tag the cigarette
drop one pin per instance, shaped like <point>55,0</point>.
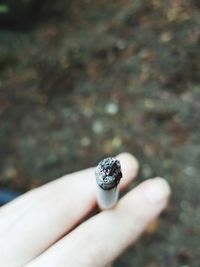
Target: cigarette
<point>108,175</point>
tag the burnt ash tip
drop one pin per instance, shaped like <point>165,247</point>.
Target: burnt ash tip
<point>108,173</point>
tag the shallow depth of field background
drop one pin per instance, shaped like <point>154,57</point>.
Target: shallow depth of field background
<point>81,80</point>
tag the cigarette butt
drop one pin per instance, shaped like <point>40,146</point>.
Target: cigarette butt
<point>108,175</point>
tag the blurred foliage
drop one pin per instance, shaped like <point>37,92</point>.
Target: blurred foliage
<point>25,14</point>
<point>17,14</point>
<point>4,8</point>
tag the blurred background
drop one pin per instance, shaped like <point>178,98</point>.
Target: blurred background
<point>81,80</point>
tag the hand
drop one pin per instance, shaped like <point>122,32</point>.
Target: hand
<point>45,227</point>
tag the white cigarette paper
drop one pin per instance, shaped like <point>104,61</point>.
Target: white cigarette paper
<point>107,198</point>
<point>108,175</point>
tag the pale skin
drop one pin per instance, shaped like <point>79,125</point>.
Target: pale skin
<point>48,227</point>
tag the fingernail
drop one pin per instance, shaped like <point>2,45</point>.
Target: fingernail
<point>156,190</point>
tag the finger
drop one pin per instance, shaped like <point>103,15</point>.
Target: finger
<point>98,241</point>
<point>43,215</point>
<point>130,167</point>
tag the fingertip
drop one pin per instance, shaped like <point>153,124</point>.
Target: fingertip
<point>164,185</point>
<point>156,190</point>
<point>130,167</point>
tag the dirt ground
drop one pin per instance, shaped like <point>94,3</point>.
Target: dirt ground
<point>95,78</point>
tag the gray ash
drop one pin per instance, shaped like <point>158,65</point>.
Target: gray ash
<point>108,173</point>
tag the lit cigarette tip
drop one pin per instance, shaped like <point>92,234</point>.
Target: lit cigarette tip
<point>108,175</point>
